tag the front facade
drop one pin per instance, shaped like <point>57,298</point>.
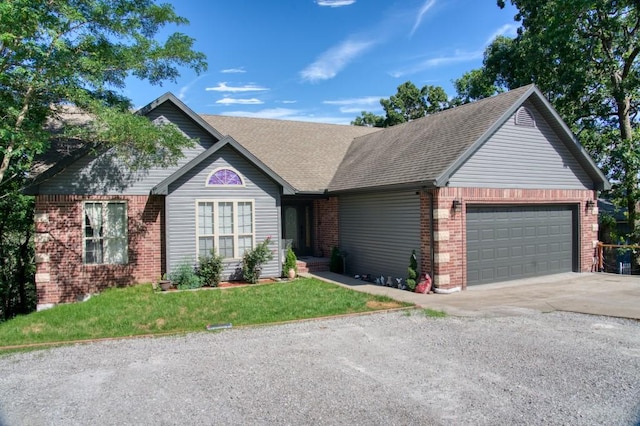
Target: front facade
<point>491,191</point>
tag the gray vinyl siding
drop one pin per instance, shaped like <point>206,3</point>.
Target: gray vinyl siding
<point>107,175</point>
<point>378,232</point>
<point>523,157</point>
<point>181,209</point>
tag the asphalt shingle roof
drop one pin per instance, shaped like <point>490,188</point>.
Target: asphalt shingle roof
<point>304,154</point>
<point>420,150</point>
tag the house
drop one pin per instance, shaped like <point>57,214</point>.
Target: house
<point>493,190</point>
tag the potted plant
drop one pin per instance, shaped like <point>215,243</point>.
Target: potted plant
<point>164,283</point>
<point>290,266</point>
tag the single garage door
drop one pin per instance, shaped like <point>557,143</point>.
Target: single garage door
<point>505,243</point>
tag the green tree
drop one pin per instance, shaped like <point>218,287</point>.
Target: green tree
<point>56,55</point>
<point>474,85</point>
<point>583,54</point>
<point>79,52</point>
<point>409,103</point>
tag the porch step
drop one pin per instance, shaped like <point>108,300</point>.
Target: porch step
<point>312,264</point>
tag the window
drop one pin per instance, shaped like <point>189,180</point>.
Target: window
<point>224,177</point>
<point>226,226</point>
<point>105,232</point>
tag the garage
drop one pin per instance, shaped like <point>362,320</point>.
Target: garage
<point>378,232</point>
<point>512,242</point>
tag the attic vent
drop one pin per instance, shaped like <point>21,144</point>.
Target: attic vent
<point>161,120</point>
<point>524,117</point>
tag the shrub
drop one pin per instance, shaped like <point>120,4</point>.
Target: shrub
<point>253,260</point>
<point>290,262</point>
<point>210,269</point>
<point>412,271</point>
<point>335,261</point>
<point>184,277</point>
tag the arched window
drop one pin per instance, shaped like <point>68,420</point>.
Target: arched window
<point>224,176</point>
<point>524,117</point>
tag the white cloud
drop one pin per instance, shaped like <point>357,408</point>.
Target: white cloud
<point>509,30</point>
<point>367,100</point>
<point>233,70</point>
<point>335,3</point>
<point>222,87</point>
<point>182,93</point>
<point>458,56</point>
<point>424,9</point>
<point>334,60</point>
<point>288,102</point>
<point>235,101</point>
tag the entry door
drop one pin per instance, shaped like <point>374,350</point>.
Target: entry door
<point>297,227</point>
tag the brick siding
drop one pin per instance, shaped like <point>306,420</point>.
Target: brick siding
<point>325,213</point>
<point>61,275</point>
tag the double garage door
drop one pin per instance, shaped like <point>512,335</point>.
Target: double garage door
<point>505,243</point>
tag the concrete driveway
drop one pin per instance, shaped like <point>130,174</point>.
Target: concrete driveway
<point>589,293</point>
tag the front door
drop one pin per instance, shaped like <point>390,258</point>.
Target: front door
<point>297,221</point>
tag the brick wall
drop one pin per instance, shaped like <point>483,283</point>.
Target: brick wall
<point>61,275</point>
<point>449,225</point>
<point>326,226</point>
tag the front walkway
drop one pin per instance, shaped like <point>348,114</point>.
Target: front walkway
<point>588,293</point>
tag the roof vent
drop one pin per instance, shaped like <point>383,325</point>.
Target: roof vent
<point>524,117</point>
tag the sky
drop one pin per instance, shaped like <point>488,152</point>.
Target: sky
<point>324,60</point>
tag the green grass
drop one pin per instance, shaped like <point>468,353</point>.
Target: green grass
<point>433,313</point>
<point>138,310</point>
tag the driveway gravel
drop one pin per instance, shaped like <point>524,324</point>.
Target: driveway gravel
<point>386,368</point>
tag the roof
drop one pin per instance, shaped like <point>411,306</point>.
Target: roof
<point>427,151</point>
<point>305,154</point>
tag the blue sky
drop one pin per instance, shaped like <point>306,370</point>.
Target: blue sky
<point>325,60</point>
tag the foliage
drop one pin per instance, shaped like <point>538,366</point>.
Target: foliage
<point>71,56</point>
<point>412,272</point>
<point>336,263</point>
<point>409,103</point>
<point>210,269</point>
<point>138,310</point>
<point>290,262</point>
<point>253,260</point>
<point>17,269</point>
<point>474,85</point>
<point>434,313</point>
<point>184,277</point>
<point>81,53</point>
<point>583,54</point>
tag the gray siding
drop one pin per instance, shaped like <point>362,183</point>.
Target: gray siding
<point>106,174</point>
<point>523,157</point>
<point>378,232</point>
<point>181,209</point>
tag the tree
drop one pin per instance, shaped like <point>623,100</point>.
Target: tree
<point>474,85</point>
<point>583,54</point>
<point>56,55</point>
<point>79,53</point>
<point>409,103</point>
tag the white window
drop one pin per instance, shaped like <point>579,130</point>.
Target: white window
<point>105,232</point>
<point>226,226</point>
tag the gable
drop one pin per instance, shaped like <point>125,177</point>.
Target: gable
<point>525,152</point>
<point>104,173</point>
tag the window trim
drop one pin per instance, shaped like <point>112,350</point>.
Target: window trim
<point>105,203</point>
<point>216,170</point>
<point>216,234</point>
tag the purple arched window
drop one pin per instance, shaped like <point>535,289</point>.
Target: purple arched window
<point>224,177</point>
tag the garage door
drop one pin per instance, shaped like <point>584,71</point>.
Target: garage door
<point>505,243</point>
<point>378,232</point>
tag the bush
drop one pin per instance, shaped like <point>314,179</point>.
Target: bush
<point>412,271</point>
<point>253,260</point>
<point>290,262</point>
<point>335,261</point>
<point>210,269</point>
<point>184,277</point>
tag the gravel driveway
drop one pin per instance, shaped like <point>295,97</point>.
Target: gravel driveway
<point>389,368</point>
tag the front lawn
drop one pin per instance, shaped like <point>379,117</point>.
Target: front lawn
<point>139,310</point>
